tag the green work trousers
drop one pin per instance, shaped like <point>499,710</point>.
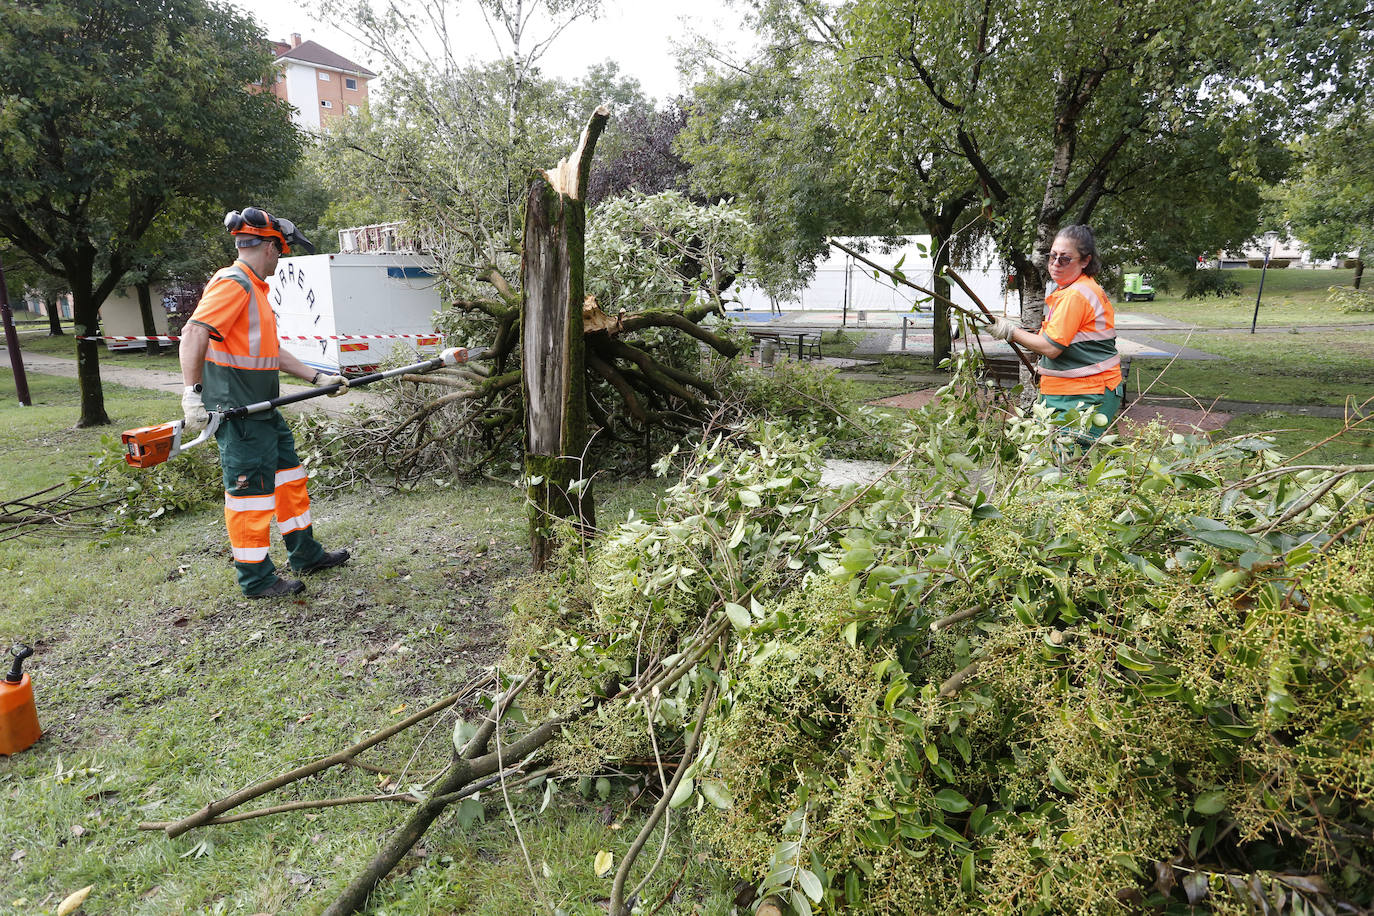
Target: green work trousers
<point>1108,403</point>
<point>264,480</point>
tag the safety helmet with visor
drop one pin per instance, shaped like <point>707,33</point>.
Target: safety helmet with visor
<point>254,225</point>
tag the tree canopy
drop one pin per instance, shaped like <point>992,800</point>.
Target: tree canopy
<point>1158,122</point>
<point>1330,202</point>
<point>111,113</point>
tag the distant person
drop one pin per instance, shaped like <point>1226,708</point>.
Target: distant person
<point>1080,368</point>
<point>230,357</point>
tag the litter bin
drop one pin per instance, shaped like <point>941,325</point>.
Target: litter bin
<point>768,351</point>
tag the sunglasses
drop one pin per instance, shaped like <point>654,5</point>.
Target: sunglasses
<point>1063,258</point>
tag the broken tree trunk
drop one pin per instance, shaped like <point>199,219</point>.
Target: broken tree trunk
<point>554,361</point>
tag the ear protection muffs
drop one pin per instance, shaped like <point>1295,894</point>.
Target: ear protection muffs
<point>257,221</point>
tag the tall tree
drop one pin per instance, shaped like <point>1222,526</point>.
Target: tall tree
<point>1330,202</point>
<point>110,112</point>
<point>1050,114</point>
<point>420,43</point>
<point>763,134</point>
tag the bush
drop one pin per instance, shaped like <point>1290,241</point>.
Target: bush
<point>1351,299</point>
<point>990,683</point>
<point>1274,263</point>
<point>1204,283</point>
<point>812,401</point>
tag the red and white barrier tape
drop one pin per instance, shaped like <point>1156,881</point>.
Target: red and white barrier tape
<point>432,337</point>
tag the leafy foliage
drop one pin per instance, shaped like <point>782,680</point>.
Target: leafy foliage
<point>994,681</point>
<point>814,406</point>
<point>1203,283</point>
<point>192,481</point>
<point>1330,202</point>
<point>662,250</point>
<point>1351,299</point>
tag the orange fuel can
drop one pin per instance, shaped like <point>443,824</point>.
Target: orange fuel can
<point>18,715</point>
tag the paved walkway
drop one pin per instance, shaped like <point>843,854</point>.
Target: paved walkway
<point>169,381</point>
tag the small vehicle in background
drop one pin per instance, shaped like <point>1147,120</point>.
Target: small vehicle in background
<point>1134,287</point>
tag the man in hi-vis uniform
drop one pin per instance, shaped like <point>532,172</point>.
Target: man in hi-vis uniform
<point>230,357</point>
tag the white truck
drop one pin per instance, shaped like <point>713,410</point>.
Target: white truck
<point>347,312</point>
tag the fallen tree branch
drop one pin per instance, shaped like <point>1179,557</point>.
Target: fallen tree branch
<point>950,687</point>
<point>289,806</point>
<point>617,905</point>
<point>219,807</point>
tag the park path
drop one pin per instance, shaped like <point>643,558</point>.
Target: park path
<point>169,381</point>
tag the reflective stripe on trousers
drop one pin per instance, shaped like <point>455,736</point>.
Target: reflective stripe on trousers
<point>249,518</point>
<point>263,479</point>
<point>293,500</point>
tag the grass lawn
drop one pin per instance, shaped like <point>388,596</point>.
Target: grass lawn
<point>41,445</point>
<point>1295,435</point>
<point>1323,367</point>
<point>160,688</point>
<point>1292,298</point>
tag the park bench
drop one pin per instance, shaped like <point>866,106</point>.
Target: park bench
<point>804,344</point>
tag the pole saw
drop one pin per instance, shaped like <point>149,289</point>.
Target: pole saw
<point>151,445</point>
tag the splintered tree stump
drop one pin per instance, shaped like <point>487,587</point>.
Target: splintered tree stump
<point>554,363</point>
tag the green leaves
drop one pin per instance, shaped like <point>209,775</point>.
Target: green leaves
<point>1210,802</point>
<point>952,801</point>
<point>1226,538</point>
<point>739,615</point>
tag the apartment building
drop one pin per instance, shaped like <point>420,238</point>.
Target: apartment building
<point>318,83</point>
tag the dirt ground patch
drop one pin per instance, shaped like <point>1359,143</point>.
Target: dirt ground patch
<point>1177,419</point>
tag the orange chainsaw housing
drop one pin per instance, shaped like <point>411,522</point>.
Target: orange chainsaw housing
<point>148,445</point>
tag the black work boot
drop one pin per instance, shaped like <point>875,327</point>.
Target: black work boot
<point>330,559</point>
<point>280,588</point>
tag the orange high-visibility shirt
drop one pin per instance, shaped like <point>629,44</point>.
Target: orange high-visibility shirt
<point>1080,318</point>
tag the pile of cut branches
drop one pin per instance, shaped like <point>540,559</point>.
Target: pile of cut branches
<point>1000,679</point>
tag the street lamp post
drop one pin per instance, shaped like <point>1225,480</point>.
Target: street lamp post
<point>1269,239</point>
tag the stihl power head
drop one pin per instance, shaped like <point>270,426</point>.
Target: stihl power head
<point>150,445</point>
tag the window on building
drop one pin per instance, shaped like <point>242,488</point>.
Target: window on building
<point>352,109</point>
<point>325,103</point>
<point>350,83</point>
<point>325,77</point>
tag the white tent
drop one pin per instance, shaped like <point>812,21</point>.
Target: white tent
<point>843,283</point>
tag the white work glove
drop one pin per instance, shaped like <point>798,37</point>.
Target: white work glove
<point>1002,329</point>
<point>322,380</point>
<point>193,407</point>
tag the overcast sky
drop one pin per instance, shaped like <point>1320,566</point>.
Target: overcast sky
<point>637,34</point>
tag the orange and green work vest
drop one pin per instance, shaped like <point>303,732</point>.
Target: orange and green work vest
<point>243,359</point>
<point>1080,318</point>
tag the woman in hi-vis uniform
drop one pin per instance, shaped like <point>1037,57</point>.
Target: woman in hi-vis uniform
<point>1080,368</point>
